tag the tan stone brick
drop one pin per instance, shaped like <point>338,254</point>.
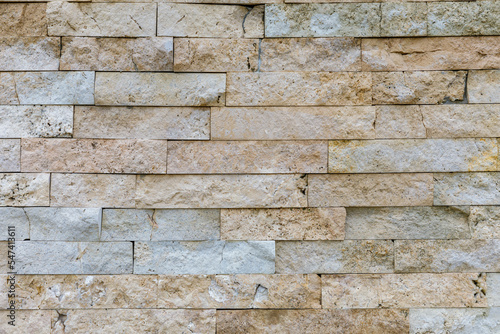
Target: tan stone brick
<point>26,189</point>
<point>29,322</point>
<point>485,222</point>
<point>403,19</point>
<point>29,53</point>
<point>467,188</point>
<point>398,121</point>
<point>10,151</point>
<point>483,86</point>
<point>23,19</point>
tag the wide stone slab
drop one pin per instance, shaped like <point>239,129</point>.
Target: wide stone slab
<point>370,190</point>
<point>413,155</point>
<point>23,19</point>
<point>26,189</point>
<point>403,291</point>
<point>283,224</point>
<point>484,222</point>
<point>245,157</point>
<point>403,19</point>
<point>29,53</point>
<point>94,156</point>
<point>14,217</point>
<point>39,322</point>
<point>323,257</point>
<point>117,54</point>
<point>204,257</point>
<point>221,191</point>
<point>483,86</point>
<point>10,151</point>
<point>160,89</point>
<point>298,88</point>
<point>467,189</point>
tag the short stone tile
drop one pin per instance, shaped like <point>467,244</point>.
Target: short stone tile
<point>370,190</point>
<point>36,121</point>
<point>92,190</point>
<point>323,257</point>
<point>240,157</point>
<point>160,225</point>
<point>399,121</point>
<point>310,54</point>
<point>8,93</point>
<point>64,224</point>
<point>403,290</point>
<point>10,151</point>
<point>447,255</point>
<point>142,122</point>
<point>239,291</point>
<point>483,86</point>
<point>423,87</point>
<point>205,257</point>
<point>323,20</point>
<point>283,224</point>
<point>456,321</point>
<point>94,156</point>
<point>26,189</point>
<point>413,155</point>
<point>58,257</point>
<point>29,53</point>
<point>299,88</point>
<point>101,19</point>
<point>484,222</point>
<point>14,217</point>
<point>403,19</point>
<point>221,191</point>
<point>28,322</point>
<point>215,21</point>
<point>467,189</point>
<point>493,284</point>
<point>160,89</point>
<point>117,54</point>
<point>23,19</point>
<point>216,55</point>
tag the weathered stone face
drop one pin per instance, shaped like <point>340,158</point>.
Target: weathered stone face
<point>29,321</point>
<point>403,19</point>
<point>467,189</point>
<point>26,189</point>
<point>23,19</point>
<point>29,53</point>
<point>14,217</point>
<point>10,150</point>
<point>485,222</point>
<point>483,86</point>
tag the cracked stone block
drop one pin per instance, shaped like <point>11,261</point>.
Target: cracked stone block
<point>483,86</point>
<point>403,19</point>
<point>14,217</point>
<point>484,222</point>
<point>23,19</point>
<point>26,189</point>
<point>467,189</point>
<point>10,150</point>
<point>29,53</point>
<point>29,322</point>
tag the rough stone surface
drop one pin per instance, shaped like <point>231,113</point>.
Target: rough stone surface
<point>485,222</point>
<point>403,19</point>
<point>238,157</point>
<point>205,257</point>
<point>10,150</point>
<point>160,89</point>
<point>14,217</point>
<point>399,121</point>
<point>29,53</point>
<point>23,19</point>
<point>283,224</point>
<point>467,189</point>
<point>26,189</point>
<point>29,322</point>
<point>483,86</point>
<point>493,284</point>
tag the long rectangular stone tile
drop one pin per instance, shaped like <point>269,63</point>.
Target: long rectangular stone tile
<point>403,290</point>
<point>26,189</point>
<point>10,151</point>
<point>208,20</point>
<point>92,190</point>
<point>239,291</point>
<point>413,155</point>
<point>403,19</point>
<point>160,225</point>
<point>299,88</point>
<point>221,191</point>
<point>204,257</point>
<point>467,188</point>
<point>94,156</point>
<point>447,255</point>
<point>425,222</point>
<point>493,284</point>
<point>160,89</point>
<point>101,19</point>
<point>484,222</point>
<point>312,321</point>
<point>283,224</point>
<point>23,19</point>
<point>323,257</point>
<point>430,53</point>
<point>142,122</point>
<point>117,54</point>
<point>14,217</point>
<point>240,157</point>
<point>39,322</point>
<point>29,53</point>
<point>483,86</point>
<point>370,190</point>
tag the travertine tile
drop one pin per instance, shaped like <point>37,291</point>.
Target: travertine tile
<point>29,53</point>
<point>14,217</point>
<point>398,121</point>
<point>483,86</point>
<point>467,189</point>
<point>485,222</point>
<point>403,19</point>
<point>23,19</point>
<point>28,322</point>
<point>493,284</point>
<point>26,189</point>
<point>10,151</point>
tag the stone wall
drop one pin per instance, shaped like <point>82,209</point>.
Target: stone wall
<point>250,166</point>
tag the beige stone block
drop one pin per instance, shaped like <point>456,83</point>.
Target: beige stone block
<point>29,53</point>
<point>398,121</point>
<point>14,217</point>
<point>467,189</point>
<point>26,189</point>
<point>10,151</point>
<point>493,283</point>
<point>28,322</point>
<point>483,86</point>
<point>485,222</point>
<point>23,19</point>
<point>403,19</point>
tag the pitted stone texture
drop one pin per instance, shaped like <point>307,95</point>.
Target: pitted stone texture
<point>430,87</point>
<point>57,257</point>
<point>399,121</point>
<point>94,156</point>
<point>323,20</point>
<point>8,92</point>
<point>447,255</point>
<point>160,225</point>
<point>370,190</point>
<point>485,222</point>
<point>413,155</point>
<point>298,88</point>
<point>205,257</point>
<point>142,122</point>
<point>117,54</point>
<point>64,224</point>
<point>323,257</point>
<point>28,322</point>
<point>29,53</point>
<point>239,291</point>
<point>408,223</point>
<point>403,19</point>
<point>23,19</point>
<point>26,189</point>
<point>310,54</point>
<point>14,217</point>
<point>283,224</point>
<point>10,150</point>
<point>403,291</point>
<point>36,121</point>
<point>221,191</point>
<point>92,190</point>
<point>215,55</point>
<point>493,283</point>
<point>160,89</point>
<point>244,157</point>
<point>436,53</point>
<point>484,86</point>
<point>101,19</point>
<point>216,21</point>
<point>467,189</point>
